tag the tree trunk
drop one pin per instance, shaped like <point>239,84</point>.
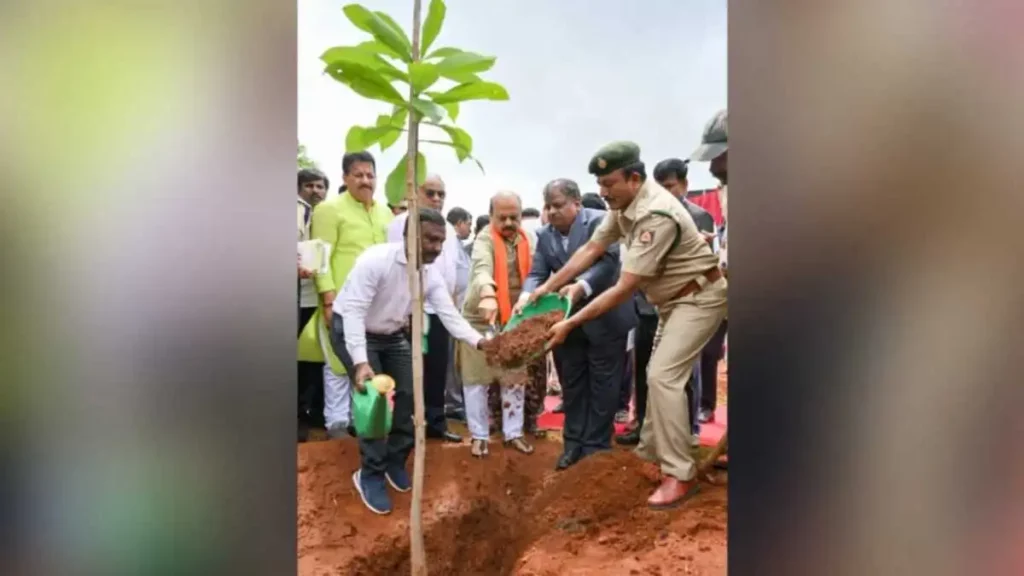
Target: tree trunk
<point>418,558</point>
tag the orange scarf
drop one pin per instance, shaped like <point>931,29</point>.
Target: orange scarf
<point>501,269</point>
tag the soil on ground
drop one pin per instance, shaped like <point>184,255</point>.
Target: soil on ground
<point>513,348</point>
<point>507,514</point>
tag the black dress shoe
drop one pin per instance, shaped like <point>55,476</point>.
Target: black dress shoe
<point>446,436</point>
<point>631,438</point>
<point>455,414</point>
<point>559,409</point>
<point>568,459</point>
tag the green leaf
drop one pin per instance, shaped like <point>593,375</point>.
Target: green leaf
<point>360,138</point>
<point>462,142</point>
<point>354,139</point>
<point>464,77</point>
<point>395,123</point>
<point>359,17</point>
<point>364,81</point>
<point>422,76</point>
<point>442,52</point>
<point>428,109</point>
<point>395,185</point>
<point>378,48</point>
<point>382,27</point>
<point>450,145</point>
<point>396,30</point>
<point>452,109</point>
<point>364,57</point>
<point>465,63</point>
<point>472,91</point>
<point>432,25</point>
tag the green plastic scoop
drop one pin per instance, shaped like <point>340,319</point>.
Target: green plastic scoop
<point>371,413</point>
<point>543,305</point>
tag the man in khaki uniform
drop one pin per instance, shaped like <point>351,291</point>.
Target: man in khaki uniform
<point>670,261</point>
<point>502,254</point>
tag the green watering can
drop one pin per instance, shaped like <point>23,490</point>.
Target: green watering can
<point>371,412</point>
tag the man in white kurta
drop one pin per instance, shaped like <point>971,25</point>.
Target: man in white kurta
<point>367,334</point>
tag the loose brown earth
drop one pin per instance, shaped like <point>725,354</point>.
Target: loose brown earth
<point>507,514</point>
<point>510,349</point>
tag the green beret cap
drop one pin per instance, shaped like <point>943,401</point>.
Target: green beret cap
<point>614,156</point>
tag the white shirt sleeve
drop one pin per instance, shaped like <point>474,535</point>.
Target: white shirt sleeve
<point>354,302</point>
<point>441,300</point>
<point>450,255</point>
<point>396,230</point>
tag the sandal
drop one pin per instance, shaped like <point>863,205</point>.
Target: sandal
<point>479,448</point>
<point>520,444</point>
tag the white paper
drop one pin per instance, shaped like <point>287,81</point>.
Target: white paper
<point>314,255</point>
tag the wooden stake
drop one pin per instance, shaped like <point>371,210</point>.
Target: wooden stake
<point>417,552</point>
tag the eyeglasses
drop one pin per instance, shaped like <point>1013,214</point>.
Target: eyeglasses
<point>439,194</point>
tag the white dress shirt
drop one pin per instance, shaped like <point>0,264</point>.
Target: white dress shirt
<point>375,299</point>
<point>447,261</point>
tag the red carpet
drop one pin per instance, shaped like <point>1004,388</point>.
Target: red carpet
<point>710,433</point>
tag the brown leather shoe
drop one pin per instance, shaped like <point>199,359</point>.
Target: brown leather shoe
<point>521,445</point>
<point>672,493</point>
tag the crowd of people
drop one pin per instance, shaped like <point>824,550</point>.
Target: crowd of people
<point>644,268</point>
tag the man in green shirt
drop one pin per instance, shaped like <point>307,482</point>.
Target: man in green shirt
<point>350,223</point>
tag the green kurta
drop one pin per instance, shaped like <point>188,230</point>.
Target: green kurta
<point>472,365</point>
<point>349,227</point>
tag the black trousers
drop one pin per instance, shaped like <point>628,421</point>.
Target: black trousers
<point>311,382</point>
<point>591,375</point>
<point>709,359</point>
<point>387,354</point>
<point>643,347</point>
<point>626,388</point>
<point>435,375</point>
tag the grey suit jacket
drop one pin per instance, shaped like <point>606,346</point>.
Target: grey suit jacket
<point>702,218</point>
<point>550,257</point>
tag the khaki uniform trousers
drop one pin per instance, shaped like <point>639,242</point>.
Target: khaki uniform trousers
<point>685,326</point>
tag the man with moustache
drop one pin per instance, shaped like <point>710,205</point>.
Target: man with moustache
<point>312,187</point>
<point>502,253</point>
<point>670,261</point>
<point>591,361</point>
<point>367,334</point>
<point>350,223</point>
<point>436,358</point>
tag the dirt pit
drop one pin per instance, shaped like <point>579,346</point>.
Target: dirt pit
<point>513,348</point>
<point>507,514</point>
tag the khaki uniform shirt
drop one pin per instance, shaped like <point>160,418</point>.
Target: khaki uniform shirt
<point>472,364</point>
<point>661,243</point>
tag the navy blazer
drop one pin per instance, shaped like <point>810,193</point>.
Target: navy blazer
<point>549,257</point>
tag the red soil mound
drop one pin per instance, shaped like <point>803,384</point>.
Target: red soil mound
<point>507,514</point>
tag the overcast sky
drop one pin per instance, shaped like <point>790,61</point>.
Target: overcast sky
<point>580,73</point>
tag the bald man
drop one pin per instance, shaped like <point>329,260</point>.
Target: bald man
<point>502,253</point>
<point>438,353</point>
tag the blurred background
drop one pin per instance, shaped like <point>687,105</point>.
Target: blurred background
<point>148,375</point>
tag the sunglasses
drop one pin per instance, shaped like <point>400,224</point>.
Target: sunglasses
<point>439,194</point>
